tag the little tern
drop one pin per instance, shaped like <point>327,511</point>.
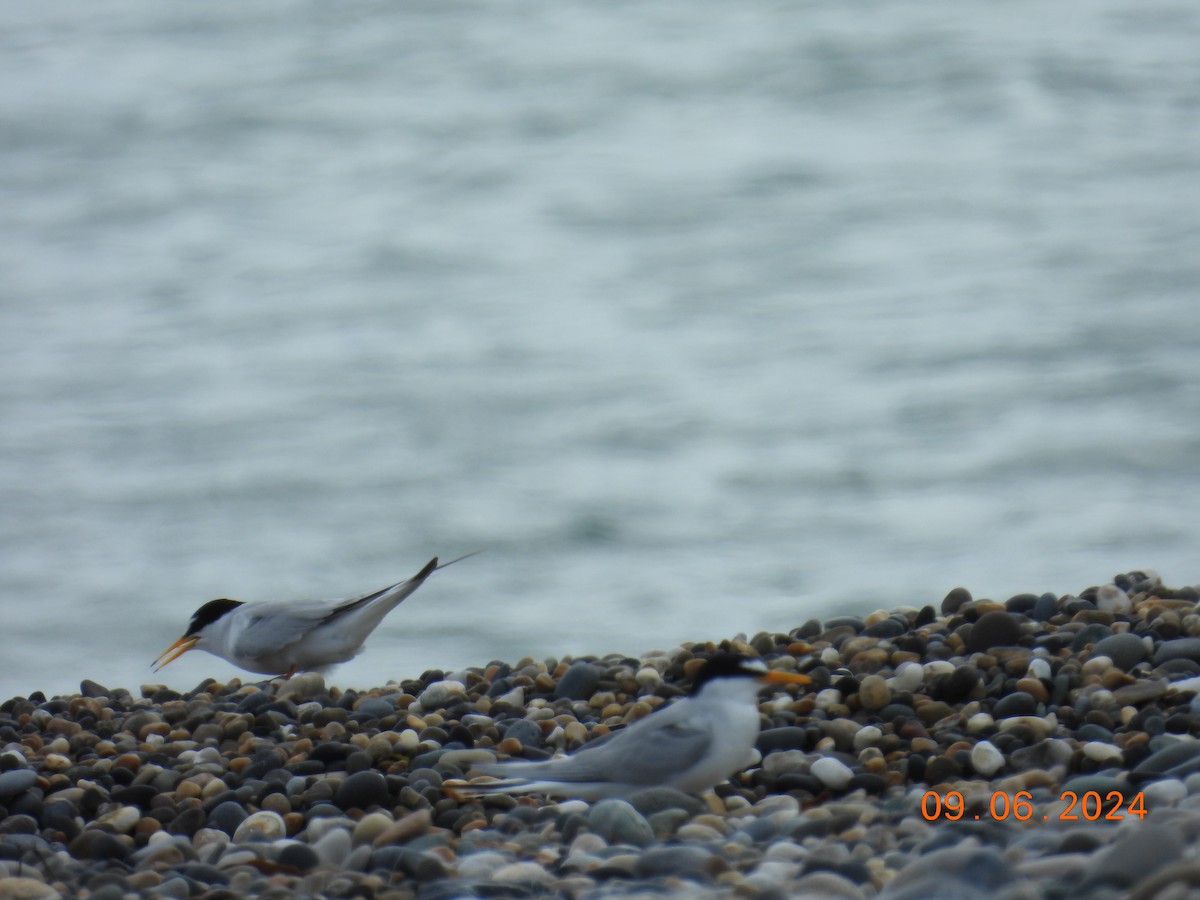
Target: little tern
<point>690,745</point>
<point>274,638</point>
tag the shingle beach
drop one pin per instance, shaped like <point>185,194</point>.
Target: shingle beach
<point>1043,746</point>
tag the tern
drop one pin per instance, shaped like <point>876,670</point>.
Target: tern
<point>691,745</point>
<point>273,638</point>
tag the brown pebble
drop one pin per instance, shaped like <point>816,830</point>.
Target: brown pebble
<point>405,828</point>
<point>1034,687</point>
<point>874,692</point>
<point>510,746</point>
<point>147,825</point>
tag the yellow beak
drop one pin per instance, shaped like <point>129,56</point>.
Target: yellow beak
<point>778,676</point>
<point>176,650</point>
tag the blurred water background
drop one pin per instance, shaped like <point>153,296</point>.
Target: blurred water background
<point>697,317</point>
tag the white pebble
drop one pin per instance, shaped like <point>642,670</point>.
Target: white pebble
<point>481,866</point>
<point>909,676</point>
<point>831,657</point>
<point>980,722</point>
<point>1165,792</point>
<point>1039,668</point>
<point>938,667</point>
<point>867,736</point>
<point>986,758</point>
<point>263,825</point>
<point>1097,665</point>
<point>438,694</point>
<point>523,872</point>
<point>1110,598</point>
<point>827,698</point>
<point>1101,752</point>
<point>648,678</point>
<point>831,772</point>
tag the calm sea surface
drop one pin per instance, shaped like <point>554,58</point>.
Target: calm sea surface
<point>698,318</point>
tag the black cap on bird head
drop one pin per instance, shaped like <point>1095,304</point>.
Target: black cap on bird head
<point>209,613</point>
<point>726,664</point>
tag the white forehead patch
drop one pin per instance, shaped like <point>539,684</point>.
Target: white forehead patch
<point>754,665</point>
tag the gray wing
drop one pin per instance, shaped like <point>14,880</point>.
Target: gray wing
<point>271,627</point>
<point>639,755</point>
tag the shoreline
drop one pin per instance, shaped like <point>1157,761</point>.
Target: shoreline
<point>1039,746</point>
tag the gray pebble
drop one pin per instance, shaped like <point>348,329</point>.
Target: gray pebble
<point>1183,648</point>
<point>1125,650</point>
<point>578,682</point>
<point>657,799</point>
<point>1135,854</point>
<point>994,629</point>
<point>374,708</point>
<point>618,822</point>
<point>525,731</point>
<point>1090,634</point>
<point>1018,703</point>
<point>227,816</point>
<point>362,790</point>
<point>15,782</point>
<point>1175,761</point>
<point>682,860</point>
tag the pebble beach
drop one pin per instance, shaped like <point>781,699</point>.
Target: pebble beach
<point>1039,746</point>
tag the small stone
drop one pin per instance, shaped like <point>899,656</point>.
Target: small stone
<point>440,693</point>
<point>1175,761</point>
<point>16,782</point>
<point>683,861</point>
<point>18,887</point>
<point>263,825</point>
<point>1110,598</point>
<point>656,799</point>
<point>227,816</point>
<point>1018,703</point>
<point>370,827</point>
<point>298,856</point>
<point>874,692</point>
<point>909,677</point>
<point>1166,792</point>
<point>994,629</point>
<point>522,873</point>
<point>1134,854</point>
<point>1182,648</point>
<point>1139,693</point>
<point>374,708</point>
<point>1105,754</point>
<point>1045,609</point>
<point>618,822</point>
<point>867,736</point>
<point>955,600</point>
<point>405,828</point>
<point>333,848</point>
<point>578,682</point>
<point>362,790</point>
<point>986,758</point>
<point>832,772</point>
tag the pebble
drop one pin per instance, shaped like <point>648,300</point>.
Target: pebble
<point>833,773</point>
<point>995,629</point>
<point>1125,650</point>
<point>302,788</point>
<point>617,822</point>
<point>986,759</point>
<point>16,782</point>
